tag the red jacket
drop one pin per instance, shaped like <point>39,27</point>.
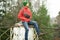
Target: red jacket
<point>22,17</point>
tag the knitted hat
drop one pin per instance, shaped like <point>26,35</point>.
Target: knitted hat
<point>24,3</point>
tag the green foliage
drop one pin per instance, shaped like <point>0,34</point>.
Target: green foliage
<point>8,20</point>
<point>44,22</point>
<point>41,16</point>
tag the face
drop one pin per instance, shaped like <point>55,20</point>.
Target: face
<point>27,4</point>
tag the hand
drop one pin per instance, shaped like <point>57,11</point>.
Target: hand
<point>27,20</point>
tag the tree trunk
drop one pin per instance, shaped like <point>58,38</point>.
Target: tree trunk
<point>19,33</point>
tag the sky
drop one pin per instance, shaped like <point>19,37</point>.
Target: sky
<point>53,7</point>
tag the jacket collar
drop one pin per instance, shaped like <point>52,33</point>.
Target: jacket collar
<point>25,7</point>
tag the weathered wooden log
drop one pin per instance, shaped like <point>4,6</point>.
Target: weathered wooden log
<point>19,32</point>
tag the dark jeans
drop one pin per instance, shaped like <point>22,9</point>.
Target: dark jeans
<point>27,28</point>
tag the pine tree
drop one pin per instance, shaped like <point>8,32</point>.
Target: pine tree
<point>43,20</point>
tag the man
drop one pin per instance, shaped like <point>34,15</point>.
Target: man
<point>25,16</point>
